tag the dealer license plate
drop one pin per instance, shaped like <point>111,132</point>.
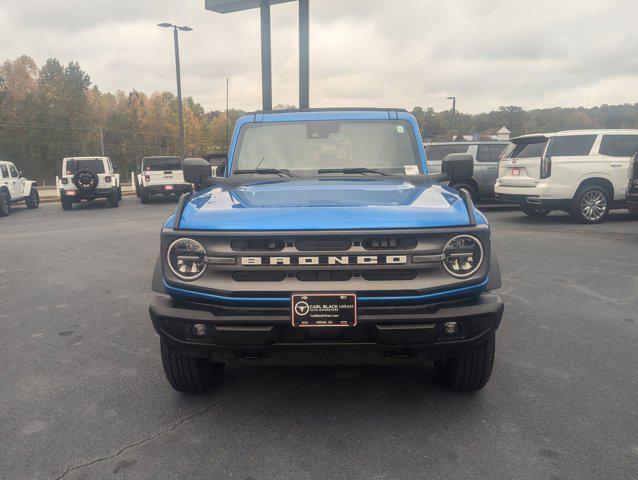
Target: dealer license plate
<point>168,187</point>
<point>324,310</point>
<point>515,172</point>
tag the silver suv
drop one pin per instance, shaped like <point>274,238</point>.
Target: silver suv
<point>485,154</point>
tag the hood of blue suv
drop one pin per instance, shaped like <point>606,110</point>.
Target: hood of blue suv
<point>325,204</point>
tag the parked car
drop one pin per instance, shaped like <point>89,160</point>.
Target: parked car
<point>583,172</point>
<point>89,178</point>
<point>485,155</point>
<point>632,187</point>
<point>161,176</point>
<point>15,188</point>
<point>325,241</point>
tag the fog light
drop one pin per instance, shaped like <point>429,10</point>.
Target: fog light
<point>199,330</point>
<point>451,328</point>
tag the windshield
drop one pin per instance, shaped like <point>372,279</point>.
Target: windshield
<point>161,163</point>
<point>305,148</point>
<point>436,153</point>
<point>93,165</point>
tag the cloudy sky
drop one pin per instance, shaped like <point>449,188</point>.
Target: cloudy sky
<point>394,53</point>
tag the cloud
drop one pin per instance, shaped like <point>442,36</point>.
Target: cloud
<point>363,52</point>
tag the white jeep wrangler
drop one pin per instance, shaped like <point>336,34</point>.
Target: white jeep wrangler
<point>161,176</point>
<point>15,188</point>
<point>88,178</point>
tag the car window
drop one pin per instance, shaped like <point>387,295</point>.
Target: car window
<point>436,153</point>
<point>4,171</point>
<point>161,163</point>
<point>94,165</point>
<point>619,145</point>
<point>14,172</point>
<point>570,146</point>
<point>527,150</point>
<point>496,151</point>
<point>483,154</point>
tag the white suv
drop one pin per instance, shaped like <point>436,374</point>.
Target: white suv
<point>582,172</point>
<point>89,178</point>
<point>15,188</point>
<point>161,176</point>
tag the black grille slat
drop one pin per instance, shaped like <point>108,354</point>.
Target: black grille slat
<point>323,244</point>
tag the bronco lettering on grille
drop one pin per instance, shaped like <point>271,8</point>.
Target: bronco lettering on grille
<point>325,260</point>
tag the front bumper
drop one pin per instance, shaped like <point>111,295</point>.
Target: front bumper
<point>383,333</point>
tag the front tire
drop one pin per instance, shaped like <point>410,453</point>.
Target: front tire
<point>591,204</point>
<point>535,211</point>
<point>33,200</point>
<point>469,372</point>
<point>469,188</point>
<point>189,374</point>
<point>5,205</point>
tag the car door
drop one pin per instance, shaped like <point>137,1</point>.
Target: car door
<point>483,169</point>
<point>17,183</point>
<point>5,178</point>
<point>617,150</point>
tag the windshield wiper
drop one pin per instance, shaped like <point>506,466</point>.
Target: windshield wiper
<point>354,170</point>
<point>282,172</point>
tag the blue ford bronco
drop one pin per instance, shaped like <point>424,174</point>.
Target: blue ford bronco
<point>323,240</point>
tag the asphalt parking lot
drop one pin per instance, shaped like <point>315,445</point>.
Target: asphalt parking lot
<point>83,394</point>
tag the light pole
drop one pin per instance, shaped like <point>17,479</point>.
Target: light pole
<point>180,107</point>
<point>453,113</point>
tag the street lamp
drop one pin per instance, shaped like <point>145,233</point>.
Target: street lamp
<point>180,108</point>
<point>453,113</point>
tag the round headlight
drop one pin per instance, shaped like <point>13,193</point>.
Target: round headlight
<point>186,258</point>
<point>463,256</point>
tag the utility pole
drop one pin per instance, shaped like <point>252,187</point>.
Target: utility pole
<point>453,114</point>
<point>102,140</point>
<point>227,120</point>
<point>178,74</point>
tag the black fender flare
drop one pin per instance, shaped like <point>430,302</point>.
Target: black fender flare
<point>494,281</point>
<point>157,284</point>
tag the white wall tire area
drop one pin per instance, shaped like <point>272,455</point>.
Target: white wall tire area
<point>591,204</point>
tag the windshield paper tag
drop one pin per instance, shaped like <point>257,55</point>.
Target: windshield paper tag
<point>400,129</point>
<point>411,169</point>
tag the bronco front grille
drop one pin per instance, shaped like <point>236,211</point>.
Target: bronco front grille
<point>367,263</point>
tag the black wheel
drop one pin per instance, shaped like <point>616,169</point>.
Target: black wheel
<point>469,188</point>
<point>119,193</point>
<point>136,181</point>
<point>5,205</point>
<point>143,195</point>
<point>67,204</point>
<point>591,204</point>
<point>33,200</point>
<point>114,199</point>
<point>86,180</point>
<point>189,374</point>
<point>535,211</point>
<point>469,372</point>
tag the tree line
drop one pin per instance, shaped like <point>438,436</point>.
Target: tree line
<point>52,111</point>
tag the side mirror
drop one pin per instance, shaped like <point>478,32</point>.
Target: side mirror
<point>197,171</point>
<point>458,166</point>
